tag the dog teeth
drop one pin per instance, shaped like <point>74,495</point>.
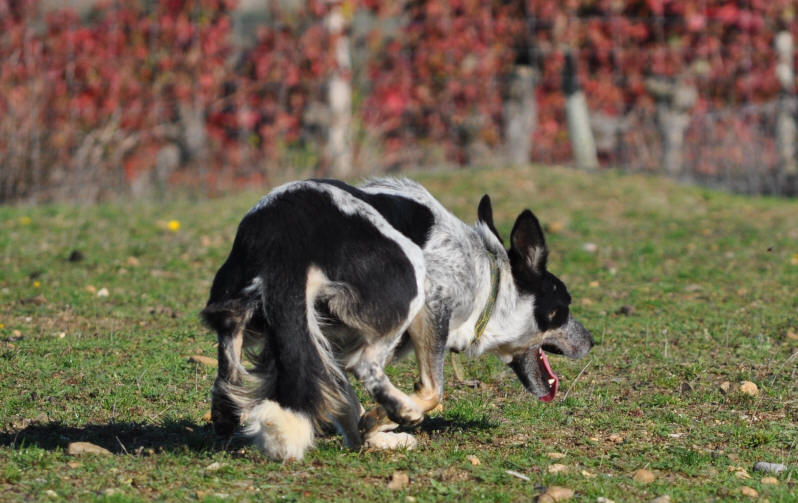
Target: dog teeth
<point>551,381</point>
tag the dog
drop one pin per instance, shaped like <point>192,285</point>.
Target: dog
<point>326,279</point>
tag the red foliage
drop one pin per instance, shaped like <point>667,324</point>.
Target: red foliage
<point>437,82</point>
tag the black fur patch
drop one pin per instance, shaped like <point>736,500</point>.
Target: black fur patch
<point>405,215</point>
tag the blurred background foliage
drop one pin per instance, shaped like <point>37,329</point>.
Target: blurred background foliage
<point>101,98</point>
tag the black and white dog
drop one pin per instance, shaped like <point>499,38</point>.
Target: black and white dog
<point>325,278</point>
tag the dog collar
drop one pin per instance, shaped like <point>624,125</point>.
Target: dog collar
<point>487,311</point>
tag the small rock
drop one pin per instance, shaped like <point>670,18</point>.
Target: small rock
<point>51,494</point>
<point>770,481</point>
<point>517,475</point>
<point>110,491</point>
<point>555,227</point>
<point>749,388</point>
<point>81,448</point>
<point>132,261</point>
<point>103,292</point>
<point>594,284</point>
<point>615,438</point>
<point>214,466</point>
<point>207,417</point>
<point>555,455</point>
<point>74,464</point>
<point>474,460</point>
<point>763,466</point>
<point>399,480</point>
<point>590,247</point>
<point>742,474</point>
<point>410,499</point>
<point>203,360</point>
<point>557,468</point>
<point>725,387</point>
<point>602,499</point>
<point>748,491</point>
<point>661,499</point>
<point>546,498</point>
<point>791,335</point>
<point>91,289</point>
<point>644,476</point>
<point>588,475</point>
<point>38,300</point>
<point>558,493</point>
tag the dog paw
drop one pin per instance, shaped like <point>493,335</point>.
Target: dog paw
<point>376,420</point>
<point>382,440</point>
<point>405,415</point>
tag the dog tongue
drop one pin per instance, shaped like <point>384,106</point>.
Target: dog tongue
<point>551,375</point>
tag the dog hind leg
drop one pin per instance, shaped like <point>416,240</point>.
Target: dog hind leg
<point>229,319</point>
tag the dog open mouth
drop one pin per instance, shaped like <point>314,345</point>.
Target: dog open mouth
<point>532,365</point>
<point>551,378</point>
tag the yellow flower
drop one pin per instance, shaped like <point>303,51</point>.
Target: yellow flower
<point>173,225</point>
<point>24,220</point>
<point>36,284</point>
<point>794,260</point>
<point>2,325</point>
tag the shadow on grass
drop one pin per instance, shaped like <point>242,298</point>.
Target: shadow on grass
<point>122,438</point>
<point>454,422</point>
<point>178,435</point>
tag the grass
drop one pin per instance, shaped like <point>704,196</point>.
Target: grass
<point>710,280</point>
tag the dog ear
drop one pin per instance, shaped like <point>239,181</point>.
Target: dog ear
<point>528,242</point>
<point>485,215</point>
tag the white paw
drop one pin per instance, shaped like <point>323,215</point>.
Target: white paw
<point>383,440</point>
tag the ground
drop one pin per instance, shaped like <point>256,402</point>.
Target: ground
<point>688,292</point>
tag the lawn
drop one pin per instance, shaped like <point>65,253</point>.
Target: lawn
<point>688,292</point>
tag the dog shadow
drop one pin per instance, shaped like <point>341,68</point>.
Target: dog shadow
<point>179,435</point>
<point>123,438</point>
<point>437,425</point>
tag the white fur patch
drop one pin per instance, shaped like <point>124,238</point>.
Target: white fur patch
<point>384,440</point>
<point>281,433</point>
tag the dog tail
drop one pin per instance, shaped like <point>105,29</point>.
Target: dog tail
<point>296,386</point>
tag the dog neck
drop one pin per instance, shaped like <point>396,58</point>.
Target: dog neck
<point>511,316</point>
<point>487,311</point>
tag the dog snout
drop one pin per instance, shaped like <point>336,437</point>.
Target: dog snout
<point>579,338</point>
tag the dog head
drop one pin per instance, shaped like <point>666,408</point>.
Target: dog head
<point>551,328</point>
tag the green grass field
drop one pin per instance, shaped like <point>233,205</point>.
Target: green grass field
<point>709,281</point>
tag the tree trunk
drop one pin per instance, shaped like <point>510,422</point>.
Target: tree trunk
<point>582,142</point>
<point>338,151</point>
<point>674,102</point>
<point>785,112</point>
<point>520,114</point>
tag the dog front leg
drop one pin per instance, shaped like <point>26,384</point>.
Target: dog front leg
<point>394,405</point>
<point>429,341</point>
